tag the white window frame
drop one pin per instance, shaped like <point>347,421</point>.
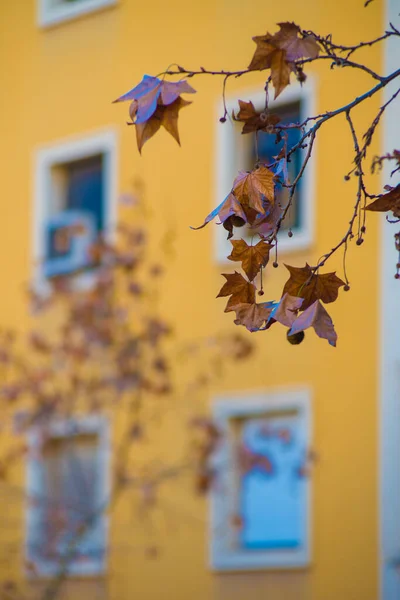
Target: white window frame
<point>52,15</point>
<point>60,429</point>
<point>227,167</point>
<point>223,555</point>
<point>103,142</point>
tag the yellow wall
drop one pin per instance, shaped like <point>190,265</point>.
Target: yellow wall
<point>59,82</point>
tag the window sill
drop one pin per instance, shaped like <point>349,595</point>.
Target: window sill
<point>54,15</point>
<point>44,572</point>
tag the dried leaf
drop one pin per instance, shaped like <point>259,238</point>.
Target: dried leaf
<point>252,188</point>
<point>316,316</point>
<point>264,51</point>
<point>229,208</point>
<point>155,103</point>
<point>253,120</point>
<point>251,257</point>
<point>146,130</point>
<point>285,312</point>
<point>387,202</point>
<point>170,91</point>
<point>266,224</point>
<point>303,283</point>
<point>287,39</point>
<point>296,47</point>
<point>146,93</point>
<point>167,116</point>
<point>240,290</point>
<point>252,316</point>
<point>279,52</point>
<point>280,71</point>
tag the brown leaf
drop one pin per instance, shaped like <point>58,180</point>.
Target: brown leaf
<point>279,51</point>
<point>230,213</point>
<point>146,95</point>
<point>170,91</point>
<point>296,47</point>
<point>146,130</point>
<point>252,316</point>
<point>316,316</point>
<point>251,257</point>
<point>262,55</point>
<point>280,71</point>
<point>152,92</point>
<point>303,283</point>
<point>387,202</point>
<point>266,224</point>
<point>286,311</point>
<point>252,188</point>
<point>240,290</point>
<point>154,103</point>
<point>253,120</point>
<point>167,116</point>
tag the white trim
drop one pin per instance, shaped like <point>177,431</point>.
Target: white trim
<point>227,164</point>
<point>62,429</point>
<point>103,142</point>
<point>390,351</point>
<point>51,14</point>
<point>223,554</point>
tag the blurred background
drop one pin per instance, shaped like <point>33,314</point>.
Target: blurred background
<point>149,448</point>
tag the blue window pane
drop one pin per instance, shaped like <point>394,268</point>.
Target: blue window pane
<point>83,204</point>
<point>85,188</point>
<point>268,148</point>
<point>272,500</point>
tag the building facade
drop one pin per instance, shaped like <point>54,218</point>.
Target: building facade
<point>63,141</point>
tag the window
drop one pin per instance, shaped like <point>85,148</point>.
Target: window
<point>51,12</point>
<point>75,202</point>
<point>261,497</point>
<point>68,488</point>
<point>236,152</point>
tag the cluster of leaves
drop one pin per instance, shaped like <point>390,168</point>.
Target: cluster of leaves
<point>280,53</point>
<point>253,200</point>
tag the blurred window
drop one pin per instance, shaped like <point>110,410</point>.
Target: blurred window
<point>260,497</point>
<point>75,202</point>
<point>68,497</point>
<point>76,215</point>
<point>51,12</point>
<point>238,152</point>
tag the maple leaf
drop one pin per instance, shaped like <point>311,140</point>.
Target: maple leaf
<point>252,188</point>
<point>280,71</point>
<point>152,91</point>
<point>280,51</point>
<point>304,283</point>
<point>154,103</point>
<point>230,213</point>
<point>263,53</point>
<point>285,312</point>
<point>167,116</point>
<point>387,202</point>
<point>317,317</point>
<point>251,257</point>
<point>145,97</point>
<point>266,224</point>
<point>240,290</point>
<point>253,120</point>
<point>252,316</point>
<point>295,47</point>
